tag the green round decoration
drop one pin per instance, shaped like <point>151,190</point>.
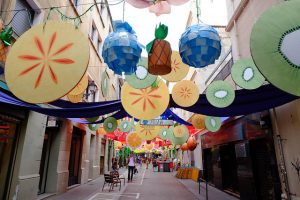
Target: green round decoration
<point>246,75</point>
<point>92,119</point>
<point>125,126</point>
<point>177,140</point>
<point>164,133</point>
<point>141,78</point>
<point>274,45</point>
<point>220,94</point>
<point>212,124</point>
<point>110,124</point>
<point>93,127</point>
<point>104,84</point>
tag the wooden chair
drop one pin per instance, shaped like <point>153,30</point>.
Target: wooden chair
<point>116,174</point>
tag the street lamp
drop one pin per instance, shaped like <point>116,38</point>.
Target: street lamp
<point>91,89</point>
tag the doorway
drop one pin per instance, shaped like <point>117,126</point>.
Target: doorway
<point>75,156</point>
<point>102,154</point>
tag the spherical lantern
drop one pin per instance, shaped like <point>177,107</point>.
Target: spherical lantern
<point>184,147</point>
<point>200,45</point>
<point>192,143</point>
<point>121,50</point>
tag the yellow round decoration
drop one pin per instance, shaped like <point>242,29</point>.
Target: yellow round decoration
<point>118,144</point>
<point>47,62</point>
<point>180,131</point>
<point>75,98</point>
<point>146,103</point>
<point>149,147</point>
<point>179,69</point>
<point>133,140</point>
<point>80,87</point>
<point>185,93</point>
<point>198,121</point>
<point>147,132</point>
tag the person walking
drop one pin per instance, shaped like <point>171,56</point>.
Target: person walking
<point>131,165</point>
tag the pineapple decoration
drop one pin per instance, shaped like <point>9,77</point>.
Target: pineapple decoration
<point>159,50</point>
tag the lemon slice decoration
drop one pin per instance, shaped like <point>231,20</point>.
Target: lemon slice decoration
<point>147,132</point>
<point>185,93</point>
<point>133,140</point>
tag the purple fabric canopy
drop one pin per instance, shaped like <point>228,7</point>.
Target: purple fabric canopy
<point>246,102</point>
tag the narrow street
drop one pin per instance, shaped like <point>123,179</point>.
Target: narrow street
<point>146,185</point>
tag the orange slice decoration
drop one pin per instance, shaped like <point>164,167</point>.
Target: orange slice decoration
<point>133,140</point>
<point>185,93</point>
<point>47,62</point>
<point>179,69</point>
<point>180,131</point>
<point>147,132</point>
<point>80,87</point>
<point>198,121</point>
<point>146,103</point>
<point>75,98</point>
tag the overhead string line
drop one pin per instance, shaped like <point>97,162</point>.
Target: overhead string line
<point>57,8</point>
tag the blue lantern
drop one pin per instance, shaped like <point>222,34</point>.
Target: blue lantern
<point>200,45</point>
<point>121,50</point>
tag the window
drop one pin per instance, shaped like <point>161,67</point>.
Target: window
<point>99,46</point>
<point>102,6</point>
<point>94,35</point>
<point>76,3</point>
<point>23,20</point>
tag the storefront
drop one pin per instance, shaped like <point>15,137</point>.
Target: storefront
<point>240,158</point>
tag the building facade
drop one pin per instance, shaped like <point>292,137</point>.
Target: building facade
<point>39,154</point>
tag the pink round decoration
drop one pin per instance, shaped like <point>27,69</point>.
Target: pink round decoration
<point>177,2</point>
<point>140,3</point>
<point>160,8</point>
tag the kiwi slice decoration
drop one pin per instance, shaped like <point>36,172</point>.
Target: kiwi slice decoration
<point>93,127</point>
<point>212,124</point>
<point>220,94</point>
<point>164,133</point>
<point>104,84</point>
<point>246,75</point>
<point>125,126</point>
<point>110,124</point>
<point>141,78</point>
<point>274,45</point>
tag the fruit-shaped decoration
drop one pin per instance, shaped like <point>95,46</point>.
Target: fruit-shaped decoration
<point>75,98</point>
<point>185,93</point>
<point>180,131</point>
<point>177,140</point>
<point>184,147</point>
<point>47,62</point>
<point>246,75</point>
<point>220,94</point>
<point>192,143</point>
<point>147,132</point>
<point>164,133</point>
<point>213,124</point>
<point>5,41</point>
<point>179,69</point>
<point>159,50</point>
<point>149,146</point>
<point>141,78</point>
<point>121,50</point>
<point>160,7</point>
<point>200,45</point>
<point>274,45</point>
<point>198,121</point>
<point>147,103</point>
<point>105,84</point>
<point>133,140</point>
<point>93,127</point>
<point>81,86</point>
<point>125,126</point>
<point>92,119</point>
<point>118,145</point>
<point>110,124</point>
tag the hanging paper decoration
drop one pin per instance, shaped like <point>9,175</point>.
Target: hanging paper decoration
<point>118,145</point>
<point>180,131</point>
<point>110,124</point>
<point>133,140</point>
<point>213,124</point>
<point>200,45</point>
<point>179,69</point>
<point>164,133</point>
<point>274,46</point>
<point>177,140</point>
<point>125,126</point>
<point>46,62</point>
<point>141,78</point>
<point>121,50</point>
<point>160,7</point>
<point>75,98</point>
<point>104,84</point>
<point>220,94</point>
<point>140,3</point>
<point>80,87</point>
<point>184,147</point>
<point>118,132</point>
<point>92,119</point>
<point>147,132</point>
<point>198,121</point>
<point>93,127</point>
<point>6,35</point>
<point>147,103</point>
<point>185,93</point>
<point>159,50</point>
<point>246,75</point>
<point>149,147</point>
<point>192,143</point>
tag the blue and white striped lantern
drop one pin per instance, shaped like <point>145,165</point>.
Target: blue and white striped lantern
<point>200,45</point>
<point>121,50</point>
